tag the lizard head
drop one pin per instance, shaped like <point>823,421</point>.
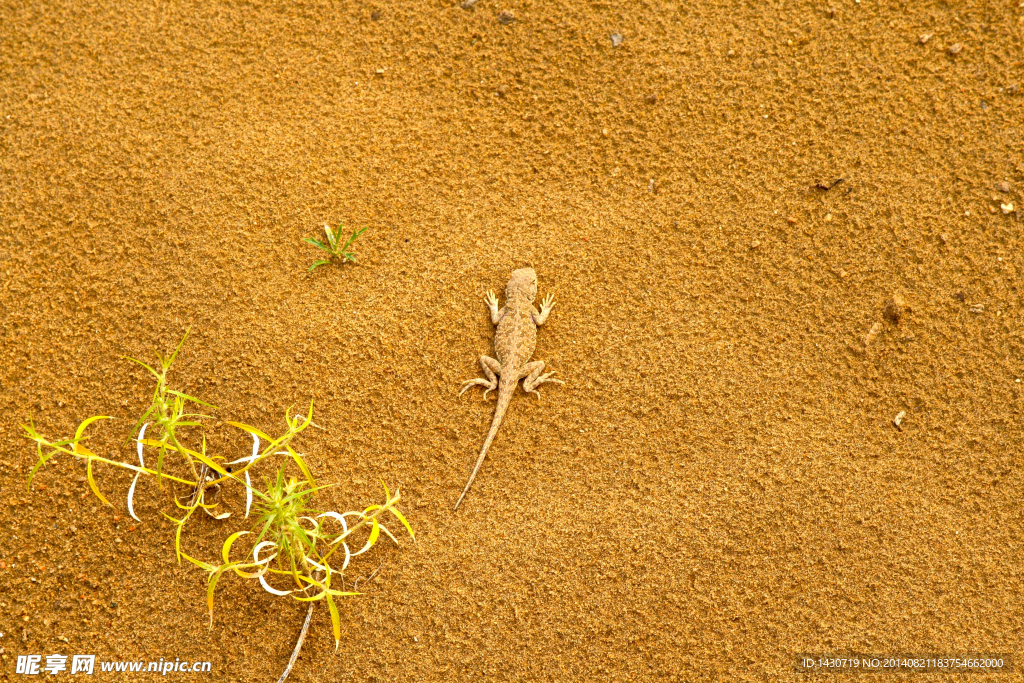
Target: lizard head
<point>523,281</point>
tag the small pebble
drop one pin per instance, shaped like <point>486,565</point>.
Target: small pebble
<point>1007,208</point>
<point>872,334</point>
<point>617,39</point>
<point>502,90</point>
<point>978,308</point>
<point>651,99</point>
<point>505,17</point>
<point>791,219</point>
<point>944,237</point>
<point>898,420</point>
<point>651,186</point>
<point>755,244</point>
<point>828,218</point>
<point>955,48</point>
<point>375,14</point>
<point>468,4</point>
<point>925,38</point>
<point>1003,186</point>
<point>895,308</point>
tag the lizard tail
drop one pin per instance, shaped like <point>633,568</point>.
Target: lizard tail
<point>505,391</point>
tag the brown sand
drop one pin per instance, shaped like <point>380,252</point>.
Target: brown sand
<point>718,486</point>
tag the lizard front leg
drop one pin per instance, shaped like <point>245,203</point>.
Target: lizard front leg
<point>533,377</point>
<point>492,304</point>
<point>545,309</point>
<point>492,368</point>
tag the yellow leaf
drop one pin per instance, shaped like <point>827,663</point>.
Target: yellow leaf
<point>374,532</point>
<point>335,621</point>
<point>87,422</point>
<point>251,430</point>
<point>213,584</point>
<point>405,523</point>
<point>199,563</point>
<point>302,465</point>
<point>227,544</point>
<point>92,482</point>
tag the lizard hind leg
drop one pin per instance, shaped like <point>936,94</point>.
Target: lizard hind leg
<point>492,368</point>
<point>533,377</point>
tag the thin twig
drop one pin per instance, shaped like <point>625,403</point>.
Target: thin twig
<point>298,644</point>
<point>355,586</point>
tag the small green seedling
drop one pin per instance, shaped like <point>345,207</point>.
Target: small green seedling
<point>332,248</point>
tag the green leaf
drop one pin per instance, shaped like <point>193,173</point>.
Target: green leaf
<point>41,462</point>
<point>317,243</point>
<point>317,264</point>
<point>175,354</point>
<point>191,398</point>
<point>135,360</point>
<point>355,235</point>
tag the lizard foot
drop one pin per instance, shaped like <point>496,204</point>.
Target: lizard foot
<point>491,386</point>
<point>531,383</point>
<point>491,368</point>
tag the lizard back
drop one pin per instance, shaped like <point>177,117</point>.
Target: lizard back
<point>516,336</point>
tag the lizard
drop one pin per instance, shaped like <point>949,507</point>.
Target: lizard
<point>514,342</point>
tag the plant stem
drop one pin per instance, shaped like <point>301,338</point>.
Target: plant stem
<point>298,644</point>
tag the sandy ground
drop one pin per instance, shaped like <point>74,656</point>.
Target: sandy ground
<point>718,486</point>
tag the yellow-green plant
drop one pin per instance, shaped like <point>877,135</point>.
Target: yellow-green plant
<point>310,550</point>
<point>167,411</point>
<point>216,471</point>
<point>46,449</point>
<point>300,549</point>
